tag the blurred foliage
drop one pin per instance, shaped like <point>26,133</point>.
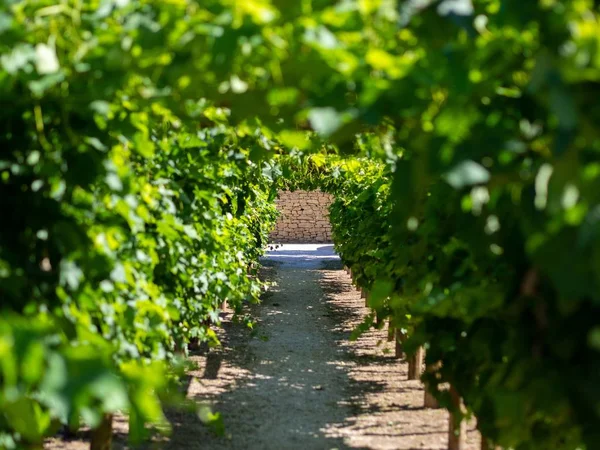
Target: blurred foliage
<point>132,213</point>
<point>140,153</point>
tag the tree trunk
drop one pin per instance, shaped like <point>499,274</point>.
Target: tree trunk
<point>102,434</point>
<point>415,365</point>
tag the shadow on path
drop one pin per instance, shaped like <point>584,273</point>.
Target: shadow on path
<point>296,381</point>
<point>288,387</point>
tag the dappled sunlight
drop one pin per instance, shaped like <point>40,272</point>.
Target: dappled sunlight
<point>296,381</point>
<point>300,383</point>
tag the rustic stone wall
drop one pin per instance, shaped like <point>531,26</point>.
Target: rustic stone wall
<point>304,217</point>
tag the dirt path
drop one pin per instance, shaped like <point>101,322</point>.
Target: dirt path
<point>301,384</point>
<point>297,382</point>
<point>294,385</point>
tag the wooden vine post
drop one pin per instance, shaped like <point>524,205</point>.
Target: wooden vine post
<point>457,432</point>
<point>101,437</point>
<point>415,365</point>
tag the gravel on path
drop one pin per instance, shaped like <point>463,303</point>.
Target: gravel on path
<point>302,384</point>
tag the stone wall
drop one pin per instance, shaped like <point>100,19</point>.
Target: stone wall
<point>304,217</point>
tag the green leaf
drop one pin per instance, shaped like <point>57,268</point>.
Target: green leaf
<point>28,418</point>
<point>214,421</point>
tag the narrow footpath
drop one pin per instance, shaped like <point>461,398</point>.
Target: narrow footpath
<point>299,382</point>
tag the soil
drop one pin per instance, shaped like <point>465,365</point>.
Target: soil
<point>296,381</point>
